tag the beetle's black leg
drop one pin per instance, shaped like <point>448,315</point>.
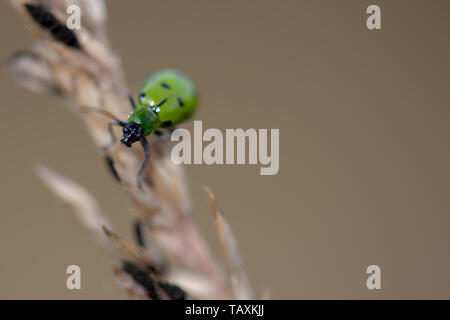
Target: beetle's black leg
<point>108,159</point>
<point>132,103</point>
<point>172,129</point>
<point>111,132</point>
<point>146,147</point>
<point>112,168</point>
<point>105,113</point>
<point>164,135</point>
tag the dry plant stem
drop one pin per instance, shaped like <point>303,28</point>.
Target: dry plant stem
<point>83,205</point>
<point>239,279</point>
<point>93,77</point>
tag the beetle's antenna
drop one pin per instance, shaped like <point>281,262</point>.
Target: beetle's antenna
<point>100,111</point>
<point>146,148</point>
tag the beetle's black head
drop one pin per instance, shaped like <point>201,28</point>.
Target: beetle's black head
<point>132,132</point>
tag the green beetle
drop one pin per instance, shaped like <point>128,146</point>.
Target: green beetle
<point>167,98</point>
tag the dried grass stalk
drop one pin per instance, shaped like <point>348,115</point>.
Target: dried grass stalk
<point>89,74</point>
<point>84,206</point>
<point>239,279</point>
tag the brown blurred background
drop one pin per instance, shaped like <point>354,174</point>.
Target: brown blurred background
<point>364,146</point>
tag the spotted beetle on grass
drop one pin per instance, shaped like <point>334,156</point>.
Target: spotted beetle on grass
<point>167,98</point>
